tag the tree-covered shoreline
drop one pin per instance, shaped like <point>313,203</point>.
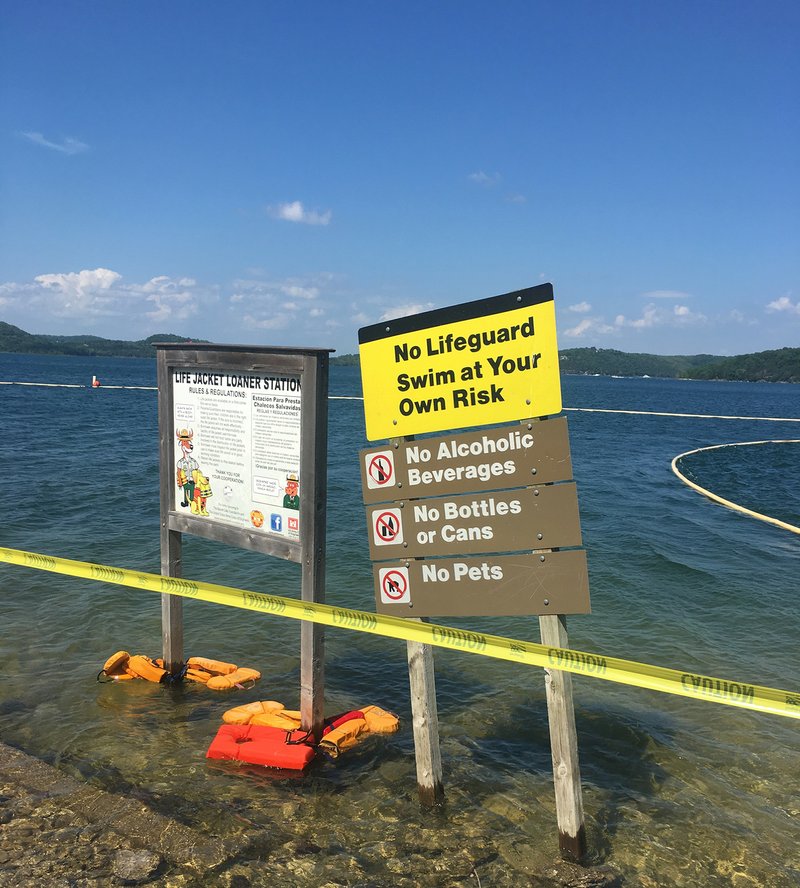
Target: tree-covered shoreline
<point>778,365</point>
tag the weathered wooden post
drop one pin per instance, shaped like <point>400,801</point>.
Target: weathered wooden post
<point>171,543</point>
<point>425,718</point>
<point>313,511</point>
<point>564,745</point>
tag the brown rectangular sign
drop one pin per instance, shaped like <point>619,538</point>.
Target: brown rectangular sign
<point>489,585</point>
<point>497,459</point>
<point>502,521</point>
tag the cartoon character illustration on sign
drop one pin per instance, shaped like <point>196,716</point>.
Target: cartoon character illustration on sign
<point>186,466</point>
<point>202,490</point>
<point>292,498</point>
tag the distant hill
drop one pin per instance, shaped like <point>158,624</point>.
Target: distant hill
<point>13,339</point>
<point>780,365</point>
<point>610,362</point>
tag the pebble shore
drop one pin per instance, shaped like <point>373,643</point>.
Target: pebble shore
<point>59,832</point>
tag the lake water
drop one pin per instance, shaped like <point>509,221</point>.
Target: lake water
<point>677,792</point>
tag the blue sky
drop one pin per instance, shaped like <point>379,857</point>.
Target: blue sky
<point>283,173</point>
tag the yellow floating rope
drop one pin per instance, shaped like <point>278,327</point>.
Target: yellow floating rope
<point>736,507</point>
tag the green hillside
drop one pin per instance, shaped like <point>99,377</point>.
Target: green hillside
<point>610,362</point>
<point>13,339</point>
<point>779,365</point>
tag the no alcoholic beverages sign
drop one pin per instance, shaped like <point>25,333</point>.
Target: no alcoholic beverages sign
<point>512,456</point>
<point>479,363</point>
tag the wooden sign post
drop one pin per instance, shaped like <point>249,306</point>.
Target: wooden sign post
<point>243,458</point>
<point>482,523</point>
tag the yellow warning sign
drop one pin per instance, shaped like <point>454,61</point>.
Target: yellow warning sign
<point>478,363</point>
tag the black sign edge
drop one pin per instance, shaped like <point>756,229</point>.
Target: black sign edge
<point>465,311</point>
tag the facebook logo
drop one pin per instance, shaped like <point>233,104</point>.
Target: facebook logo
<point>276,522</point>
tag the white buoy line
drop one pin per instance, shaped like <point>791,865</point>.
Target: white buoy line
<point>153,388</point>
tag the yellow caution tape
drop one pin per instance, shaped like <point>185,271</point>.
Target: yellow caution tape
<point>641,675</point>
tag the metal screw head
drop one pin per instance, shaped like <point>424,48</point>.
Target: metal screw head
<point>533,471</point>
<point>541,558</point>
<point>547,601</point>
<point>539,536</point>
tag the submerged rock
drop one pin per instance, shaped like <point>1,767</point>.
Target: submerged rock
<point>133,867</point>
<point>570,875</point>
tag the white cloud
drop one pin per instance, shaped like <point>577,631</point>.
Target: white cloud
<point>300,292</point>
<point>587,326</point>
<point>80,290</point>
<point>273,322</point>
<point>67,145</point>
<point>296,212</point>
<point>666,294</point>
<point>486,179</point>
<point>279,305</point>
<point>400,311</point>
<point>655,316</point>
<point>650,318</point>
<point>517,198</point>
<point>685,315</point>
<point>170,300</point>
<point>784,304</point>
<point>581,307</point>
<point>92,295</point>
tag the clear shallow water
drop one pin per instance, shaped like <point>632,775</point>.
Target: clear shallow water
<point>681,792</point>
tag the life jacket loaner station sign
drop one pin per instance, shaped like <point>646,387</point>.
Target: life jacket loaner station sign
<point>237,437</point>
<point>241,442</point>
<point>478,363</point>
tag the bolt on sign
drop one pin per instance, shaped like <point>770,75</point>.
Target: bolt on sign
<point>478,363</point>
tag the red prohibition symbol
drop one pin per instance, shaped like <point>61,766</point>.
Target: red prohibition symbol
<point>394,585</point>
<point>387,526</point>
<point>380,469</point>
